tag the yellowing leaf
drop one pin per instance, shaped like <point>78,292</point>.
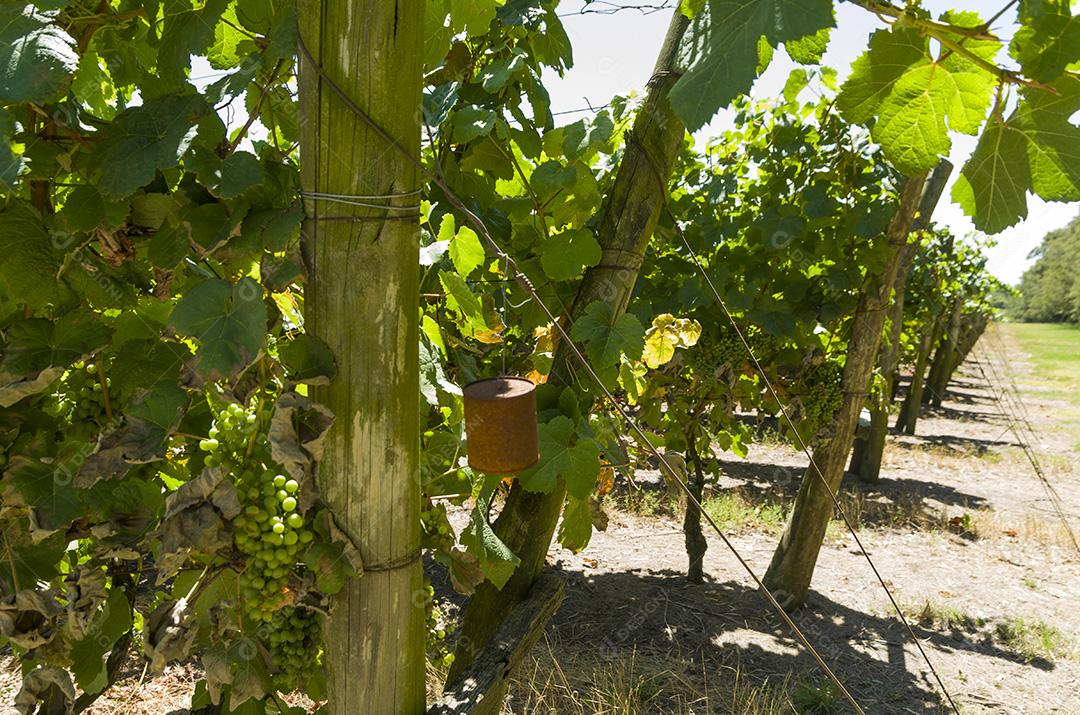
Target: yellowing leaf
<point>666,334</point>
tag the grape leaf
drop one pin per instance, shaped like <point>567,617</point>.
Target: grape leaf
<point>251,676</point>
<point>143,140</point>
<point>229,321</point>
<point>496,560</point>
<point>470,122</point>
<point>913,98</point>
<point>308,360</point>
<point>36,57</point>
<point>1048,39</point>
<point>576,527</point>
<point>666,334</point>
<point>1035,149</point>
<point>36,343</point>
<point>606,338</point>
<point>88,653</point>
<point>85,209</point>
<point>466,252</point>
<point>722,52</point>
<point>31,258</point>
<point>474,16</point>
<point>459,297</point>
<point>566,255</point>
<point>808,50</point>
<point>578,465</point>
<point>497,73</point>
<point>239,172</point>
<point>188,30</point>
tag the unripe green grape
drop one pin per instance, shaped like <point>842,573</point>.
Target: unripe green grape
<point>288,503</point>
<point>295,520</point>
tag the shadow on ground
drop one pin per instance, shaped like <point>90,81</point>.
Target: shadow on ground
<point>771,483</point>
<point>713,626</point>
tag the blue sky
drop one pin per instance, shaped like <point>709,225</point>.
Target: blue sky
<point>614,54</point>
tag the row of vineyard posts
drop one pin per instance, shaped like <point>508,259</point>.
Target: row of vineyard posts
<point>212,332</point>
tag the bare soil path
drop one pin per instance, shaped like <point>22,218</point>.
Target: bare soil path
<point>995,605</point>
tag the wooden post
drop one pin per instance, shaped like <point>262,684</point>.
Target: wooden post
<point>792,566</point>
<point>941,368</point>
<point>362,300</point>
<point>909,410</point>
<point>480,689</point>
<point>528,520</point>
<point>870,448</point>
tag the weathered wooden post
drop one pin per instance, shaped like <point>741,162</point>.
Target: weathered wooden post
<point>362,300</point>
<point>792,565</point>
<point>870,448</point>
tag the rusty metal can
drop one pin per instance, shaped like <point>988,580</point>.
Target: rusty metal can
<point>500,425</point>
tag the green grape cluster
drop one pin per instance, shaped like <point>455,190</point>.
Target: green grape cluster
<point>435,531</point>
<point>269,530</point>
<point>821,393</point>
<point>765,345</point>
<point>294,646</point>
<point>80,397</point>
<point>438,650</point>
<point>717,349</point>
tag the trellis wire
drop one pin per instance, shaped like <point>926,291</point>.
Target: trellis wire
<point>527,286</point>
<point>1008,409</point>
<point>816,469</point>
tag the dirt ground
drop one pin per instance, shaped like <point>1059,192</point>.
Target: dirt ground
<point>959,526</point>
<point>626,592</point>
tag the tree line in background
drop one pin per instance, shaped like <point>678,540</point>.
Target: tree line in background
<point>1049,291</point>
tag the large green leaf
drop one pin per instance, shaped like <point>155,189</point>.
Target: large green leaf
<point>37,343</point>
<point>912,99</point>
<point>577,464</point>
<point>466,251</point>
<point>605,337</point>
<point>722,52</point>
<point>566,255</point>
<point>188,30</point>
<point>1048,39</point>
<point>31,258</point>
<point>88,653</point>
<point>143,140</point>
<point>36,57</point>
<point>575,529</point>
<point>1035,149</point>
<point>229,321</point>
<point>496,560</point>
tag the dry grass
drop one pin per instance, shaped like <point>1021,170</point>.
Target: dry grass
<point>564,680</point>
<point>557,681</point>
<point>1027,638</point>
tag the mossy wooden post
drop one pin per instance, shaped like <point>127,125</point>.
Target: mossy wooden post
<point>909,409</point>
<point>870,449</point>
<point>792,566</point>
<point>362,300</point>
<point>941,368</point>
<point>633,207</point>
